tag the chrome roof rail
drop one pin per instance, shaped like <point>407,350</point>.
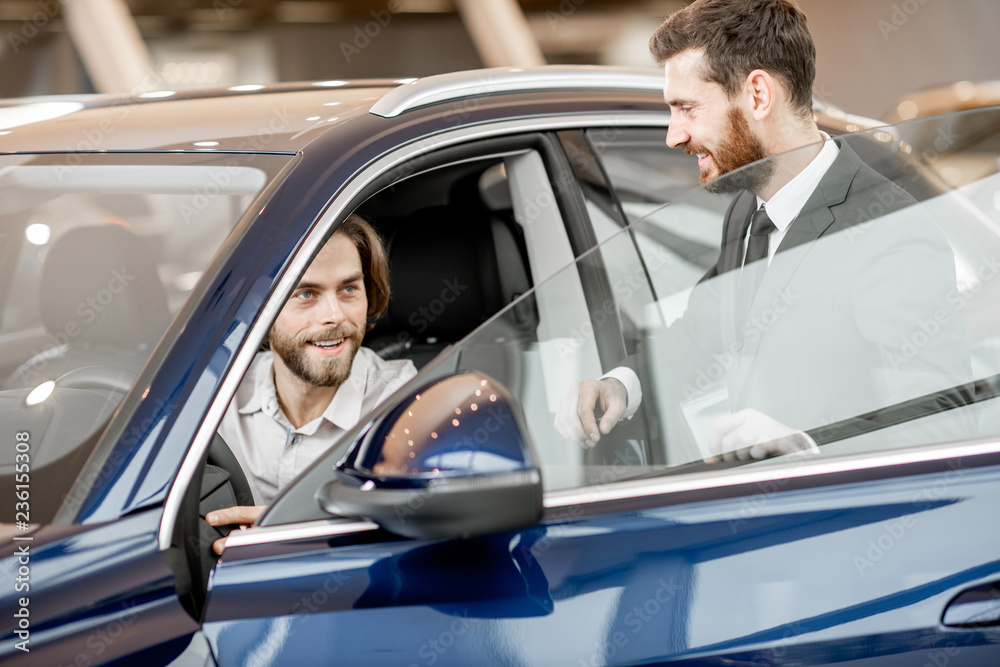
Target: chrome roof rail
<point>459,85</point>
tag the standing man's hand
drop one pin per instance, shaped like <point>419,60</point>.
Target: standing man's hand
<point>751,435</point>
<point>241,515</point>
<point>576,418</point>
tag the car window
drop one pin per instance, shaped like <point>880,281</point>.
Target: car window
<point>98,253</point>
<point>465,238</point>
<point>871,327</point>
<point>643,172</point>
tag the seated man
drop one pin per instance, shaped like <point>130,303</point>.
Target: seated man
<point>316,381</point>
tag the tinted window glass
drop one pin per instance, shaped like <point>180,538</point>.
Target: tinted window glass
<point>871,327</point>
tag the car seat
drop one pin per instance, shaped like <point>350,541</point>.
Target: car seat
<point>102,304</point>
<point>451,269</point>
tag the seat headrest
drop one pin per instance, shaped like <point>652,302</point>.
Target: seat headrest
<point>445,273</point>
<point>99,285</point>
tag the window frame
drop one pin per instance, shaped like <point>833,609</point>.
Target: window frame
<point>369,180</point>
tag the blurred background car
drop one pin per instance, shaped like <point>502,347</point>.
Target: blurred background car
<point>959,96</point>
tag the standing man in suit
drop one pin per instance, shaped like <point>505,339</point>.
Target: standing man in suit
<point>738,78</point>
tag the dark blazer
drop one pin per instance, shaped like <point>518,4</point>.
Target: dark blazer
<point>851,316</point>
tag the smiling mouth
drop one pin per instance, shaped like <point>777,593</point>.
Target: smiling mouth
<point>327,344</point>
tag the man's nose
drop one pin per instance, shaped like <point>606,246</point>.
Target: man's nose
<point>331,311</point>
<point>677,135</point>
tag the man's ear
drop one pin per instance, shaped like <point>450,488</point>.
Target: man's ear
<point>761,93</point>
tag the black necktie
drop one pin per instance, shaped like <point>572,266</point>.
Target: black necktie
<point>760,232</point>
<point>753,268</point>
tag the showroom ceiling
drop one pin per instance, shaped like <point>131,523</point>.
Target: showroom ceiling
<point>158,15</point>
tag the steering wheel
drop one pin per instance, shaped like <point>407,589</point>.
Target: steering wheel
<point>223,484</point>
<point>221,456</point>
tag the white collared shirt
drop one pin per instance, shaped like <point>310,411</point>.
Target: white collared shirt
<point>271,451</point>
<point>789,201</point>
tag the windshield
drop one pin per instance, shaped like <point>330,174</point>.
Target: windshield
<point>867,320</point>
<point>99,252</point>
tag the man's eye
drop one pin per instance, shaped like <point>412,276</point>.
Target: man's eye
<point>305,294</point>
<point>350,289</point>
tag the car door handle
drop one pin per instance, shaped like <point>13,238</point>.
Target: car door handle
<point>975,607</point>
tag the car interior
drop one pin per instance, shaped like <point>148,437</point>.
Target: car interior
<point>456,257</point>
<point>96,260</point>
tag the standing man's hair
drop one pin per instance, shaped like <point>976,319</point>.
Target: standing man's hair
<point>739,36</point>
<point>374,263</point>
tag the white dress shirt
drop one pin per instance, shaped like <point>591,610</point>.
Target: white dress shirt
<point>782,209</point>
<point>790,199</point>
<point>271,451</point>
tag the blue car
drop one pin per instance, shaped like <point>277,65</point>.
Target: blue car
<point>540,233</point>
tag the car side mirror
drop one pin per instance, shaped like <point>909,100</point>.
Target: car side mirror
<point>452,459</point>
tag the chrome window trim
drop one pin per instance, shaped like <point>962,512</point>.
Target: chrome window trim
<point>306,530</point>
<point>461,85</point>
<point>297,266</point>
<point>794,467</point>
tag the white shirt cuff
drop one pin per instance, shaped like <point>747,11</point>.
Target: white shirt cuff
<point>633,389</point>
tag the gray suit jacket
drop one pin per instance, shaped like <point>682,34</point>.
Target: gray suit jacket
<point>852,319</point>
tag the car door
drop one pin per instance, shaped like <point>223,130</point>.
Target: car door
<point>867,549</point>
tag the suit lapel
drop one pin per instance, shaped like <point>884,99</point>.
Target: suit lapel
<point>731,260</point>
<point>812,222</point>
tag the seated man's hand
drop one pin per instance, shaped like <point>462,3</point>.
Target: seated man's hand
<point>241,515</point>
<point>576,418</point>
<point>751,435</point>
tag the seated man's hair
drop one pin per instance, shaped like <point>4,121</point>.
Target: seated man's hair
<point>374,263</point>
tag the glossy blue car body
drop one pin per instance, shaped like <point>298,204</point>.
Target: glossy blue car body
<point>659,570</point>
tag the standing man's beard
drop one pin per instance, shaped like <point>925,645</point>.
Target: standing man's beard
<point>738,149</point>
<point>331,372</point>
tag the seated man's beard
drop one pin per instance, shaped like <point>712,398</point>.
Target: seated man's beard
<point>737,150</point>
<point>319,372</point>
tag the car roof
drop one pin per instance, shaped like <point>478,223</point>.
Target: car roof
<point>285,118</point>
